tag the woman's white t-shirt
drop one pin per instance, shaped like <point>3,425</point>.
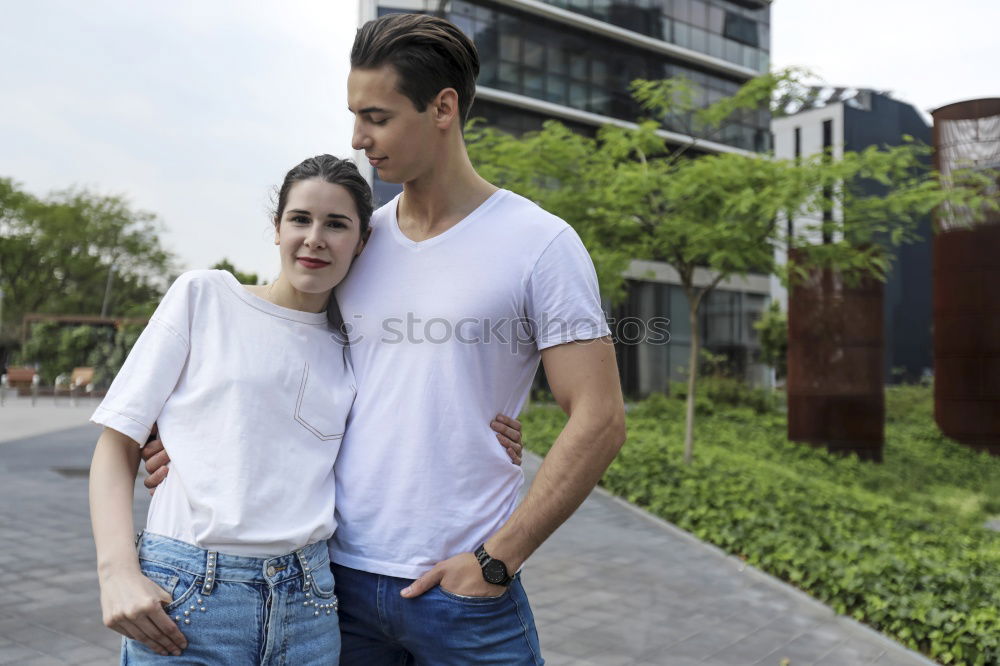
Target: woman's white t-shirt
<point>250,399</point>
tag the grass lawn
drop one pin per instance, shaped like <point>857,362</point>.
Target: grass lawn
<point>898,545</point>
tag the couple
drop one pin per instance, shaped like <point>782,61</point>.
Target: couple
<point>256,551</point>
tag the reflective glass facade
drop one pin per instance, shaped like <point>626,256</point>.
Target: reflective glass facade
<point>738,32</point>
<point>547,60</point>
<point>518,121</point>
<point>726,324</point>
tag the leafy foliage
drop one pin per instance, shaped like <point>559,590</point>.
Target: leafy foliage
<point>772,331</point>
<point>57,349</point>
<point>56,253</point>
<point>241,277</point>
<point>899,546</point>
<point>630,194</point>
<point>720,392</point>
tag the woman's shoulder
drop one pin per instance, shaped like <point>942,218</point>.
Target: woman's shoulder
<point>200,276</point>
<point>201,280</point>
<point>192,286</point>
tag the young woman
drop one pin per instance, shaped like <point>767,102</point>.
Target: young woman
<point>251,388</point>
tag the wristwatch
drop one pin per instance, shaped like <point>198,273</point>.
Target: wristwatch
<point>494,571</point>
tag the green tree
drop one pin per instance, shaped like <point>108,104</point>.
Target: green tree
<point>241,277</point>
<point>58,255</point>
<point>632,195</point>
<point>772,329</point>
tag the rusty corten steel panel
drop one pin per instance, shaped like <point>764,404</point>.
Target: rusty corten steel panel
<point>967,335</point>
<point>835,365</point>
<point>967,286</point>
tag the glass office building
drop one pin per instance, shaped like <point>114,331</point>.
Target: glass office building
<point>573,60</point>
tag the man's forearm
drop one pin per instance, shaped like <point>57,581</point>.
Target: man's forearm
<point>571,469</point>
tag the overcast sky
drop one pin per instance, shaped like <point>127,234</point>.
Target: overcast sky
<point>194,110</point>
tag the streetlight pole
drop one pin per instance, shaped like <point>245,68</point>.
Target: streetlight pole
<point>107,290</point>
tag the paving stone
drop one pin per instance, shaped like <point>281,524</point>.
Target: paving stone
<point>612,587</point>
<point>672,661</point>
<point>17,654</point>
<point>751,648</point>
<point>43,661</point>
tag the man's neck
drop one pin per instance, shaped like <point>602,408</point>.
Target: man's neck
<point>441,198</point>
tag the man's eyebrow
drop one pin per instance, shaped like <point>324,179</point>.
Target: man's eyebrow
<point>369,109</point>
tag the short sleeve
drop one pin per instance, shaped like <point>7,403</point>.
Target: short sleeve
<point>150,373</point>
<point>563,301</point>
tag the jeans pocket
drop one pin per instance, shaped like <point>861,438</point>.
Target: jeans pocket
<point>466,599</point>
<point>179,584</point>
<point>167,581</point>
<point>322,581</point>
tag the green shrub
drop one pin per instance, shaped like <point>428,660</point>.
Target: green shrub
<point>719,392</point>
<point>58,348</point>
<point>899,546</point>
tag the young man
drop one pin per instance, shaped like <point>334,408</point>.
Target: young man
<point>461,290</point>
<point>421,494</point>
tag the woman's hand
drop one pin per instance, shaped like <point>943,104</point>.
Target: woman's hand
<point>132,605</point>
<point>508,433</point>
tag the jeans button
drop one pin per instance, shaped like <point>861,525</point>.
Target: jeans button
<point>271,571</point>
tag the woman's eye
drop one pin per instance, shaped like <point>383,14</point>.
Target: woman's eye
<point>336,224</point>
<point>300,219</point>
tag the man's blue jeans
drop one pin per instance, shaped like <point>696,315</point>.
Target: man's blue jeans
<point>437,628</point>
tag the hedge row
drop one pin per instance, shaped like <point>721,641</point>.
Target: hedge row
<point>900,546</point>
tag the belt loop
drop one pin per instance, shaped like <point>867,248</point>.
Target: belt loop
<point>138,537</point>
<point>210,567</point>
<point>306,573</point>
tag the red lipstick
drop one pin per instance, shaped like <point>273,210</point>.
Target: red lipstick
<point>312,262</point>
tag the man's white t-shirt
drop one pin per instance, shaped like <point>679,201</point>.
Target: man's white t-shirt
<point>250,399</point>
<point>445,333</point>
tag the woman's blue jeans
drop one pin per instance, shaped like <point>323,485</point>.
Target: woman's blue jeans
<point>243,610</point>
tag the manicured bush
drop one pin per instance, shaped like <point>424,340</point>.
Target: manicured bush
<point>900,546</point>
<point>716,392</point>
<point>57,349</point>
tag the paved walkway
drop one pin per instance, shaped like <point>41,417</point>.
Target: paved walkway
<point>18,419</point>
<point>613,586</point>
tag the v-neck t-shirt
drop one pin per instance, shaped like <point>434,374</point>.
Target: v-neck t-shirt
<point>445,333</point>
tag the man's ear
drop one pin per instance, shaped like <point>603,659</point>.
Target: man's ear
<point>445,108</point>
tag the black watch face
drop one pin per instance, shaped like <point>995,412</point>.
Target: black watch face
<point>495,572</point>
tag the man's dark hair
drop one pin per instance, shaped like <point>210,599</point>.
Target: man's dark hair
<point>428,53</point>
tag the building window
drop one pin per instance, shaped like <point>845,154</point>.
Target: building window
<point>741,29</point>
<point>674,21</point>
